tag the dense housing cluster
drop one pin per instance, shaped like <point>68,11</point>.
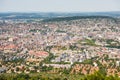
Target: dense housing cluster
<point>75,46</point>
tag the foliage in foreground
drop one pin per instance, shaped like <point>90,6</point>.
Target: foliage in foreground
<point>100,76</point>
<point>48,76</point>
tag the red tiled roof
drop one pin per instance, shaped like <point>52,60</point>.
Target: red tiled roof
<point>10,46</point>
<point>38,53</point>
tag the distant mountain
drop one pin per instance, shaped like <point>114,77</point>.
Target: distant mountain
<point>43,15</point>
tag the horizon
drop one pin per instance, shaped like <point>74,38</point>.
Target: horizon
<point>63,12</point>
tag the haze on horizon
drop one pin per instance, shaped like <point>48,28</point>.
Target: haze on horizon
<point>59,5</point>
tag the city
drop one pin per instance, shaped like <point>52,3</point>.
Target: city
<point>59,39</point>
<point>81,45</point>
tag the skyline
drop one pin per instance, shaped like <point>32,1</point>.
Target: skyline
<point>59,6</point>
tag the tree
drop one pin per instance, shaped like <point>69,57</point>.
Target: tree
<point>22,77</point>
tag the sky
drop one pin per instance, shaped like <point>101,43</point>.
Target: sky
<point>59,5</point>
